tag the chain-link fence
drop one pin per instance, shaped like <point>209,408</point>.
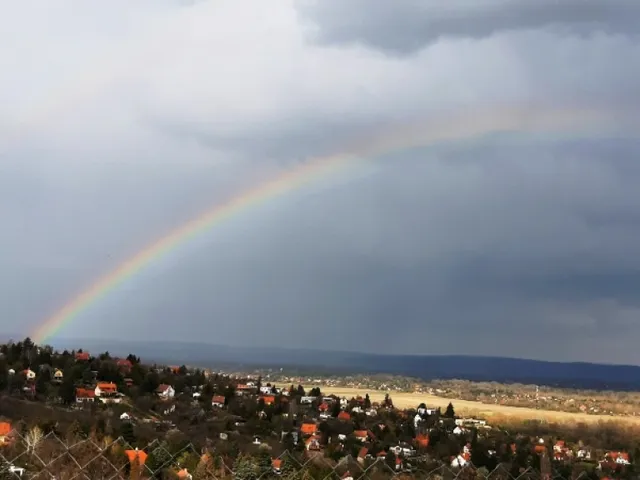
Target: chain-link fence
<point>34,455</point>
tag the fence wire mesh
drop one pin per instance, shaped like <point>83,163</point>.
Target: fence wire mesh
<point>34,455</point>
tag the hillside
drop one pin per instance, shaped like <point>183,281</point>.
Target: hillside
<point>428,367</point>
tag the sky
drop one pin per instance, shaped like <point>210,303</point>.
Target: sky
<point>121,120</point>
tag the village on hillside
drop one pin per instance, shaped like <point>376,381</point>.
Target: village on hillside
<point>250,423</point>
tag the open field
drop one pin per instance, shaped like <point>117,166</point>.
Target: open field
<point>412,400</point>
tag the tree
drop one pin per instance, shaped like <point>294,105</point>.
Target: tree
<point>367,402</point>
<point>42,384</point>
<point>158,460</point>
<point>246,468</point>
<point>127,434</point>
<point>450,412</point>
<point>67,391</point>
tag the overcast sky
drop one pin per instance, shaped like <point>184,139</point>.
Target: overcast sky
<point>121,120</point>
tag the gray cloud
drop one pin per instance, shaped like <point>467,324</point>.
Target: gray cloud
<point>406,26</point>
<point>462,247</point>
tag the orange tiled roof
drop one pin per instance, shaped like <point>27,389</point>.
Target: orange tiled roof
<point>217,399</point>
<point>5,428</point>
<point>422,440</point>
<point>308,428</point>
<point>344,416</point>
<point>85,393</point>
<point>360,433</point>
<point>268,399</point>
<point>276,463</point>
<point>107,386</point>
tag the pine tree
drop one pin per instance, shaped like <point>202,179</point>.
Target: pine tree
<point>450,412</point>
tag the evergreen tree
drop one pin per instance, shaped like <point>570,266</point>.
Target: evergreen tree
<point>127,434</point>
<point>67,390</point>
<point>450,412</point>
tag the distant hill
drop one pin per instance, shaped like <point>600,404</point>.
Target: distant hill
<point>428,367</point>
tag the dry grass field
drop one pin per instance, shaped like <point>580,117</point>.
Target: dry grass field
<point>464,407</point>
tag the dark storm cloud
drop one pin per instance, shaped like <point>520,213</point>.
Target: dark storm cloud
<point>469,247</point>
<point>513,254</point>
<point>406,26</point>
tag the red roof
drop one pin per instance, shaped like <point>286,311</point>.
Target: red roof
<point>85,393</point>
<point>5,428</point>
<point>108,387</point>
<point>422,440</point>
<point>308,428</point>
<point>268,399</point>
<point>344,416</point>
<point>363,452</point>
<point>82,356</point>
<point>163,387</point>
<point>217,399</point>
<point>360,433</point>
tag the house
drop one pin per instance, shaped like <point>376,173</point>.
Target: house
<point>313,443</point>
<point>461,460</point>
<point>243,390</point>
<point>84,395</point>
<point>58,376</point>
<point>266,389</point>
<point>128,382</point>
<point>82,356</point>
<point>362,455</point>
<point>307,400</point>
<point>344,416</point>
<point>276,466</point>
<point>124,365</point>
<point>218,401</point>
<point>268,399</point>
<point>403,449</point>
<point>106,389</point>
<point>559,447</point>
<point>618,458</point>
<point>399,464</point>
<point>5,430</point>
<point>125,416</point>
<point>29,374</point>
<point>165,391</point>
<point>323,407</point>
<point>308,429</point>
<point>422,441</point>
<point>583,454</point>
<point>459,430</point>
<point>361,435</point>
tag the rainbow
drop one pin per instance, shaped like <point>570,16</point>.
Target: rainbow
<point>476,124</point>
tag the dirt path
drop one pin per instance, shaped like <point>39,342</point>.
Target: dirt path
<point>412,400</point>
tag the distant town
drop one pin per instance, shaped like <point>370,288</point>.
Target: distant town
<point>270,422</point>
